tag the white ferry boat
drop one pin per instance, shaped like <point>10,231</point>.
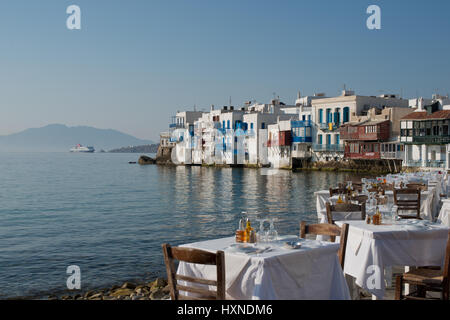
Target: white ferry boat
<point>80,148</point>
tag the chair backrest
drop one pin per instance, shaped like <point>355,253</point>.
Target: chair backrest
<point>195,256</point>
<point>331,230</point>
<point>357,187</point>
<point>337,191</point>
<point>420,186</point>
<point>407,203</point>
<point>345,207</point>
<point>388,186</point>
<point>360,198</point>
<point>381,200</point>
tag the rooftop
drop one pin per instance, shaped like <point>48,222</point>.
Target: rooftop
<point>423,115</point>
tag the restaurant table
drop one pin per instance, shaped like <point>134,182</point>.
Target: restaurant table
<point>427,210</point>
<point>444,215</point>
<point>310,272</point>
<point>412,243</point>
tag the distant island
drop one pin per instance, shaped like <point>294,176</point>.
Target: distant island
<point>60,138</point>
<point>149,148</point>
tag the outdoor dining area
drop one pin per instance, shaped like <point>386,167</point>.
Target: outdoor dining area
<point>371,235</point>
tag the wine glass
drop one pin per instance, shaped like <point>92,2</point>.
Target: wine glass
<point>272,234</point>
<point>261,236</point>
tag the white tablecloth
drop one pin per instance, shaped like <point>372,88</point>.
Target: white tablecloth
<point>427,209</point>
<point>411,243</point>
<point>444,215</point>
<point>311,272</point>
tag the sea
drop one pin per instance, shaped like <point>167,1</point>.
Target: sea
<point>109,217</point>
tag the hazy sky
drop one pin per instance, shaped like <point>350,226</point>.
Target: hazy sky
<point>135,63</point>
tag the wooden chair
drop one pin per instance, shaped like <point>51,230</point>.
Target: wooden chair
<point>426,279</point>
<point>381,200</point>
<point>198,257</point>
<point>337,191</point>
<point>360,198</point>
<point>379,191</point>
<point>357,186</point>
<point>331,230</point>
<point>345,207</point>
<point>407,204</point>
<point>420,186</point>
<point>388,186</point>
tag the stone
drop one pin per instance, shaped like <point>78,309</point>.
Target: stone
<point>158,283</point>
<point>166,289</point>
<point>122,292</point>
<point>139,290</point>
<point>144,160</point>
<point>94,296</point>
<point>157,295</point>
<point>89,293</point>
<point>52,297</point>
<point>128,285</point>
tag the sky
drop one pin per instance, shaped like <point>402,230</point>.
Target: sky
<point>135,63</point>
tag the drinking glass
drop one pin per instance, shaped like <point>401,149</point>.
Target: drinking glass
<point>261,235</point>
<point>272,234</point>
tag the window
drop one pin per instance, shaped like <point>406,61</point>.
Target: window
<point>223,124</point>
<point>320,139</point>
<point>251,125</point>
<point>320,115</point>
<point>346,114</point>
<point>337,139</point>
<point>329,116</point>
<point>263,125</point>
<point>303,117</point>
<point>337,116</point>
<point>328,139</point>
<point>228,124</point>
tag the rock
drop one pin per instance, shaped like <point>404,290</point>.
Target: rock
<point>158,283</point>
<point>144,160</point>
<point>139,290</point>
<point>95,296</point>
<point>89,293</point>
<point>128,285</point>
<point>52,297</point>
<point>157,295</point>
<point>166,289</point>
<point>122,292</point>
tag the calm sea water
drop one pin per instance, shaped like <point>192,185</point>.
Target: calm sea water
<point>110,217</point>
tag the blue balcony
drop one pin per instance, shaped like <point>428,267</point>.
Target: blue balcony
<point>328,147</point>
<point>176,126</point>
<point>301,124</point>
<point>296,139</point>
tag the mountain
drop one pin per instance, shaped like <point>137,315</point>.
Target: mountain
<point>57,137</point>
<point>150,148</point>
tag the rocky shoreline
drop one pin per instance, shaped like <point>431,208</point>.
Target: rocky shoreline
<point>155,290</point>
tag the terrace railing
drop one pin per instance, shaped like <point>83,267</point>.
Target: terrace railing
<point>328,147</point>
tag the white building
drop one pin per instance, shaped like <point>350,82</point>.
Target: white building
<point>330,113</point>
